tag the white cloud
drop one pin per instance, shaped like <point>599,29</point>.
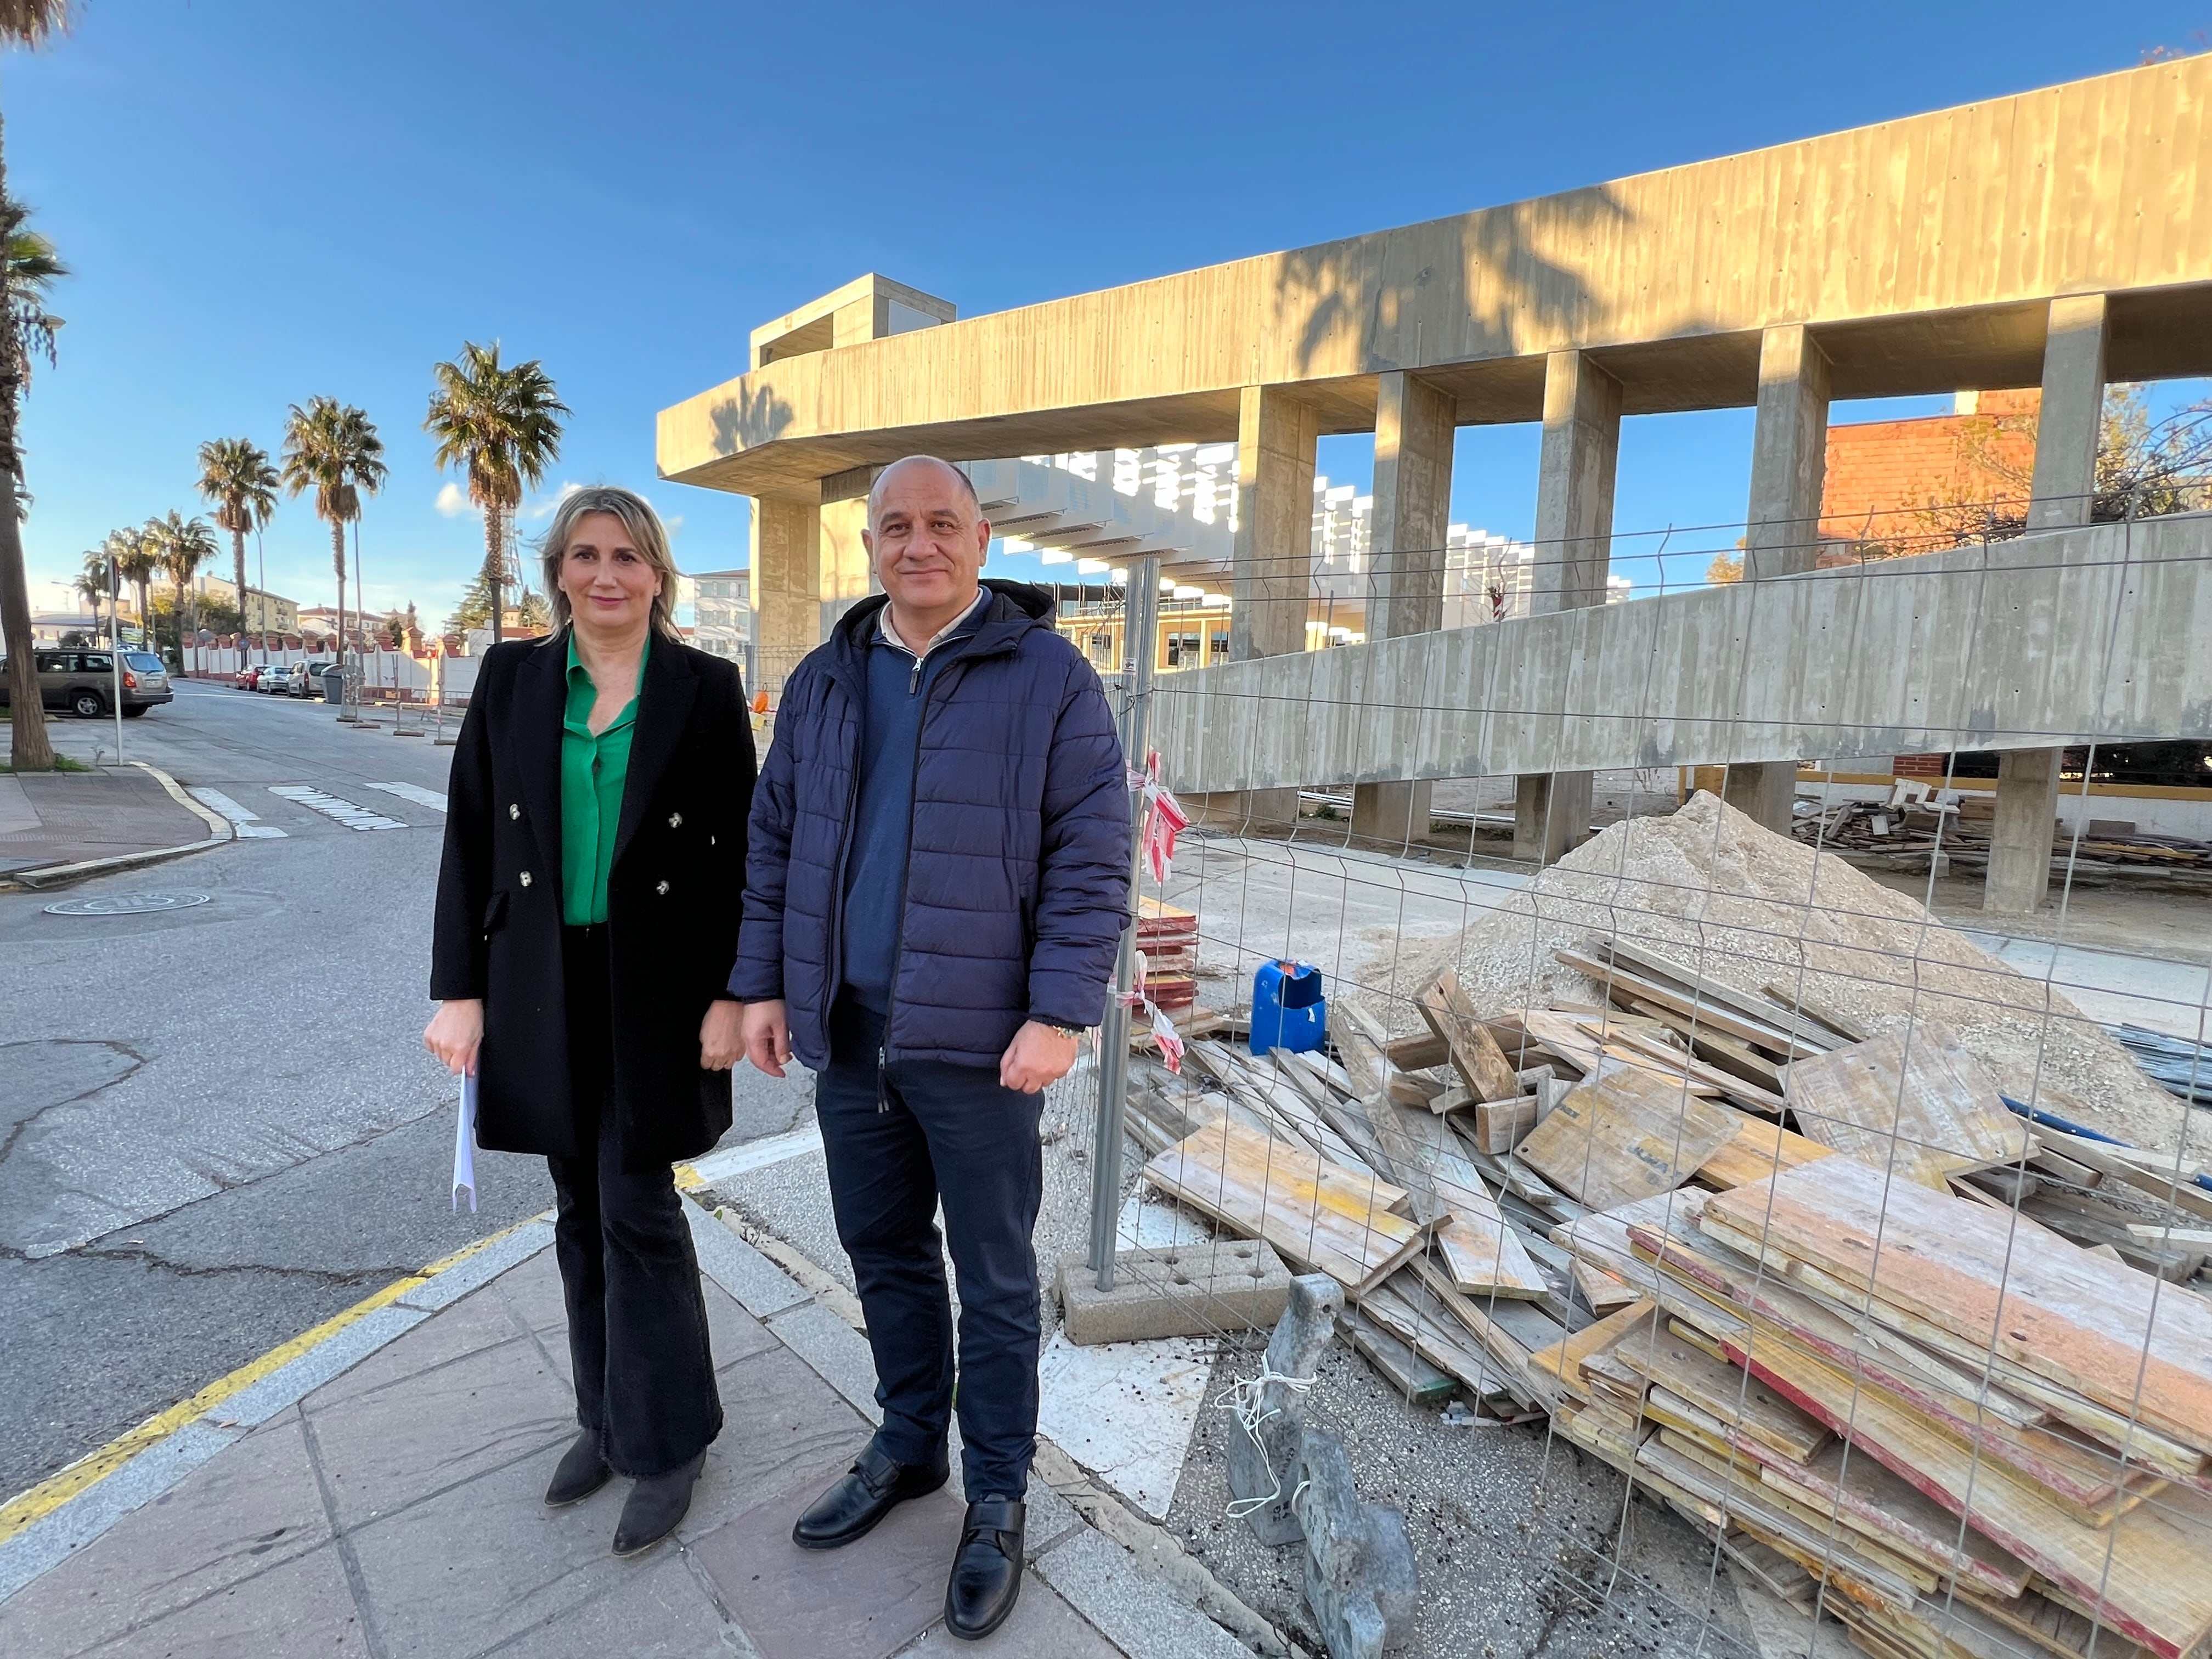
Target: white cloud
<point>568,487</point>
<point>452,500</point>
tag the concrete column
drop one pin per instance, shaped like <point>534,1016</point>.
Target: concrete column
<point>1414,426</point>
<point>2073,414</point>
<point>2019,840</point>
<point>1574,475</point>
<point>1782,537</point>
<point>1271,568</point>
<point>847,577</point>
<point>786,590</point>
<point>1270,572</point>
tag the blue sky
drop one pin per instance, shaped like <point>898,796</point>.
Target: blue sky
<point>263,201</point>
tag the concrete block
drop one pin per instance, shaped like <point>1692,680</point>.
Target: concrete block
<point>1360,1578</point>
<point>1187,1290</point>
<point>1264,1468</point>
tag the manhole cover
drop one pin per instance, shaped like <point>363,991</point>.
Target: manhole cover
<point>126,904</point>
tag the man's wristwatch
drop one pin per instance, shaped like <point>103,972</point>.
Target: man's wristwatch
<point>1075,1032</point>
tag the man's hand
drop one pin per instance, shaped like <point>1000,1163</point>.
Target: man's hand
<point>721,1035</point>
<point>767,1036</point>
<point>454,1033</point>
<point>1039,1057</point>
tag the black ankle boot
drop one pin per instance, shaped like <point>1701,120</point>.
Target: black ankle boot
<point>987,1568</point>
<point>865,1495</point>
<point>655,1504</point>
<point>582,1472</point>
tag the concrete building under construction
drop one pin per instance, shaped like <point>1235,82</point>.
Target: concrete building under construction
<point>2051,240</point>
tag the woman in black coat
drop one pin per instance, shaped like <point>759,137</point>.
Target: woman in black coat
<point>588,921</point>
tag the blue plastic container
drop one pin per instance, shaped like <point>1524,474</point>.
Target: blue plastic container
<point>1288,1010</point>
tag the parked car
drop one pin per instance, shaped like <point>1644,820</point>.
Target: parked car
<point>274,681</point>
<point>83,682</point>
<point>248,676</point>
<point>307,677</point>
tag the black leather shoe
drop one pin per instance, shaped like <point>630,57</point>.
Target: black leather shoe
<point>863,1496</point>
<point>655,1504</point>
<point>582,1472</point>
<point>987,1568</point>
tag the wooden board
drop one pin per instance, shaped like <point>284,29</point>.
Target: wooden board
<point>1604,1291</point>
<point>1562,1362</point>
<point>1914,1101</point>
<point>1625,1136</point>
<point>1765,1097</point>
<point>1734,1397</point>
<point>2144,1574</point>
<point>1703,1014</point>
<point>1474,1052</point>
<point>2117,1336</point>
<point>1324,1218</point>
<point>1418,1052</point>
<point>1499,1125</point>
<point>1746,1005</point>
<point>1422,1154</point>
<point>1398,1363</point>
<point>1758,1149</point>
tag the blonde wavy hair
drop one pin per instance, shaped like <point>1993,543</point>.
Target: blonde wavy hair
<point>645,530</point>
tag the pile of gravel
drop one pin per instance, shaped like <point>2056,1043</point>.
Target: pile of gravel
<point>1708,888</point>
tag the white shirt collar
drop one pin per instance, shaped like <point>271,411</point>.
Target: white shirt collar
<point>888,635</point>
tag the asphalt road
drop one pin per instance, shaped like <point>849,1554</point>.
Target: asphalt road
<point>217,1125</point>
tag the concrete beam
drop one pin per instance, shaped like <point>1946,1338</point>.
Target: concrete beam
<point>847,577</point>
<point>1574,475</point>
<point>1922,655</point>
<point>2019,875</point>
<point>1413,437</point>
<point>2064,487</point>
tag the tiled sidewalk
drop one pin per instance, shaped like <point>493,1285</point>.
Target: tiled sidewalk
<point>395,1510</point>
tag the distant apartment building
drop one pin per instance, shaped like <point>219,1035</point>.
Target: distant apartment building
<point>265,612</point>
<point>722,617</point>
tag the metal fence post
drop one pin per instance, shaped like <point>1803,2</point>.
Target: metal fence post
<point>1140,610</point>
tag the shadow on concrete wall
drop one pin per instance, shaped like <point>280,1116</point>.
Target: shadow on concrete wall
<point>755,416</point>
<point>1470,288</point>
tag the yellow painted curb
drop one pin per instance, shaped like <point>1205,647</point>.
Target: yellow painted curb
<point>94,1467</point>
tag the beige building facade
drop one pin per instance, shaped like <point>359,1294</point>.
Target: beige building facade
<point>2059,239</point>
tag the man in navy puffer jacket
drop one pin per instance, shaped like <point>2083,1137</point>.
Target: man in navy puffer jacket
<point>937,882</point>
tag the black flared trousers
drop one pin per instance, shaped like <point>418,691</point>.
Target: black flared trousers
<point>637,1318</point>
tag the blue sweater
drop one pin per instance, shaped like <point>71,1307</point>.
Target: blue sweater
<point>883,815</point>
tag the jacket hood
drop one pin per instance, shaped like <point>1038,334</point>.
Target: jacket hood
<point>1012,602</point>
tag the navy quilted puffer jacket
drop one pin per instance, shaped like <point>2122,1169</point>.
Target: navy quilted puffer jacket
<point>1017,865</point>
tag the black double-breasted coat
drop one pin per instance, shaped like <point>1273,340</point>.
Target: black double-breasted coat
<point>673,899</point>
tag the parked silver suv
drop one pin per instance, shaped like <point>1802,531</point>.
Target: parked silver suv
<point>83,682</point>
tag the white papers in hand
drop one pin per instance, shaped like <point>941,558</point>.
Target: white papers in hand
<point>465,1145</point>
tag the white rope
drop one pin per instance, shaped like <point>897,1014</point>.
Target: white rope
<point>1241,1400</point>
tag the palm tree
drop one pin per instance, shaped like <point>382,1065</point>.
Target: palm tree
<point>94,586</point>
<point>27,269</point>
<point>182,545</point>
<point>332,448</point>
<point>134,556</point>
<point>499,424</point>
<point>236,476</point>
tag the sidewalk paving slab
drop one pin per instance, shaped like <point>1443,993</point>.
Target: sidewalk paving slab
<point>394,1509</point>
<point>65,818</point>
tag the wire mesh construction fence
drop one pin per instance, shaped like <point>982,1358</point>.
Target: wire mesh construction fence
<point>1753,1147</point>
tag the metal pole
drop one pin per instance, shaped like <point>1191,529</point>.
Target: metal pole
<point>115,649</point>
<point>1140,611</point>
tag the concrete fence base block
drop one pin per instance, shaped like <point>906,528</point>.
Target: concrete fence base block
<point>1360,1577</point>
<point>1268,1468</point>
<point>1182,1290</point>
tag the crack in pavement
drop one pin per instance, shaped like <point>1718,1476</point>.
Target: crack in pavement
<point>210,1270</point>
<point>138,1064</point>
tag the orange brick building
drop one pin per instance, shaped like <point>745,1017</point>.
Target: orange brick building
<point>1898,487</point>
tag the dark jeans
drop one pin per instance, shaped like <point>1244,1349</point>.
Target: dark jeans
<point>637,1319</point>
<point>935,1131</point>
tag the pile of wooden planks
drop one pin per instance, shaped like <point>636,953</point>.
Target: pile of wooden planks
<point>1826,1294</point>
<point>1978,1439</point>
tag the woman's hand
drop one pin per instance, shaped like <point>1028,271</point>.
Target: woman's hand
<point>1039,1057</point>
<point>722,1035</point>
<point>454,1033</point>
<point>768,1036</point>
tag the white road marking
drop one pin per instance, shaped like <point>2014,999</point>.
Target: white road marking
<point>758,1154</point>
<point>247,825</point>
<point>332,807</point>
<point>416,792</point>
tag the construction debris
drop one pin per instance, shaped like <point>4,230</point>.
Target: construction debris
<point>1774,1243</point>
<point>1917,822</point>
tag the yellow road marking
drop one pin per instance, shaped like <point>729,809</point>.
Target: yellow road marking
<point>94,1467</point>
